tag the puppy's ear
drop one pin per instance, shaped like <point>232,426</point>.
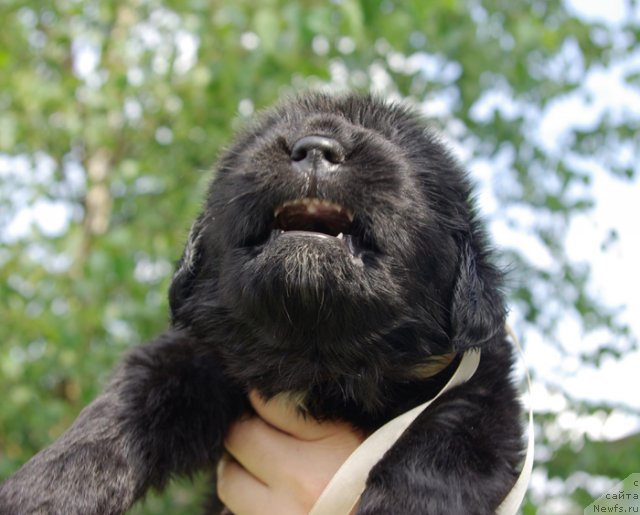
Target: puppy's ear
<point>478,311</point>
<point>188,268</point>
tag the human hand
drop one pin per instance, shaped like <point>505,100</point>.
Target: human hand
<point>280,462</point>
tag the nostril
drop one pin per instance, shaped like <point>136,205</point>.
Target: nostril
<point>328,148</point>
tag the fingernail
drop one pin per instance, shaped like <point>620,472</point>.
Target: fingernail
<point>224,459</point>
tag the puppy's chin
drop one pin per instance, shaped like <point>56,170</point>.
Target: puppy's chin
<point>313,252</point>
<point>303,286</point>
<point>304,267</point>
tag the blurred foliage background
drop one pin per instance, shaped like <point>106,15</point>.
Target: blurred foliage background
<point>112,114</point>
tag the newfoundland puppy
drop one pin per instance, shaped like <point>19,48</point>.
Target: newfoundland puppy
<point>337,258</point>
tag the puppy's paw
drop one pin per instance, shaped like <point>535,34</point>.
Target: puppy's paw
<point>415,493</point>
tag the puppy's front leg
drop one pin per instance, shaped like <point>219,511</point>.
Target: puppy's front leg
<point>459,457</point>
<point>164,412</point>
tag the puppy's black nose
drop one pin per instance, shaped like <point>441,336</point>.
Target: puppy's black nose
<point>313,148</point>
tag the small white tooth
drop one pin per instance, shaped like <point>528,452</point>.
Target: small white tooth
<point>312,209</point>
<point>340,236</point>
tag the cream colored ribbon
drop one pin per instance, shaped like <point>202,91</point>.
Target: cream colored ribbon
<point>343,491</point>
<point>513,500</point>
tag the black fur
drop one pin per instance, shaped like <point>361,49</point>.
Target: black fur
<point>342,329</point>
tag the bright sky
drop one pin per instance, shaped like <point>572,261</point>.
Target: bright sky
<point>615,273</point>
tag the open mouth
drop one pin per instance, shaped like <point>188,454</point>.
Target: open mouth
<point>316,217</point>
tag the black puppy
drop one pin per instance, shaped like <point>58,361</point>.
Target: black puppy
<point>338,254</point>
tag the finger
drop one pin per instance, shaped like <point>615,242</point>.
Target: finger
<point>244,494</point>
<point>281,412</point>
<point>241,492</point>
<point>276,458</point>
<point>257,446</point>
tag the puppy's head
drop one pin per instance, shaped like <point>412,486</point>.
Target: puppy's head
<point>339,229</point>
